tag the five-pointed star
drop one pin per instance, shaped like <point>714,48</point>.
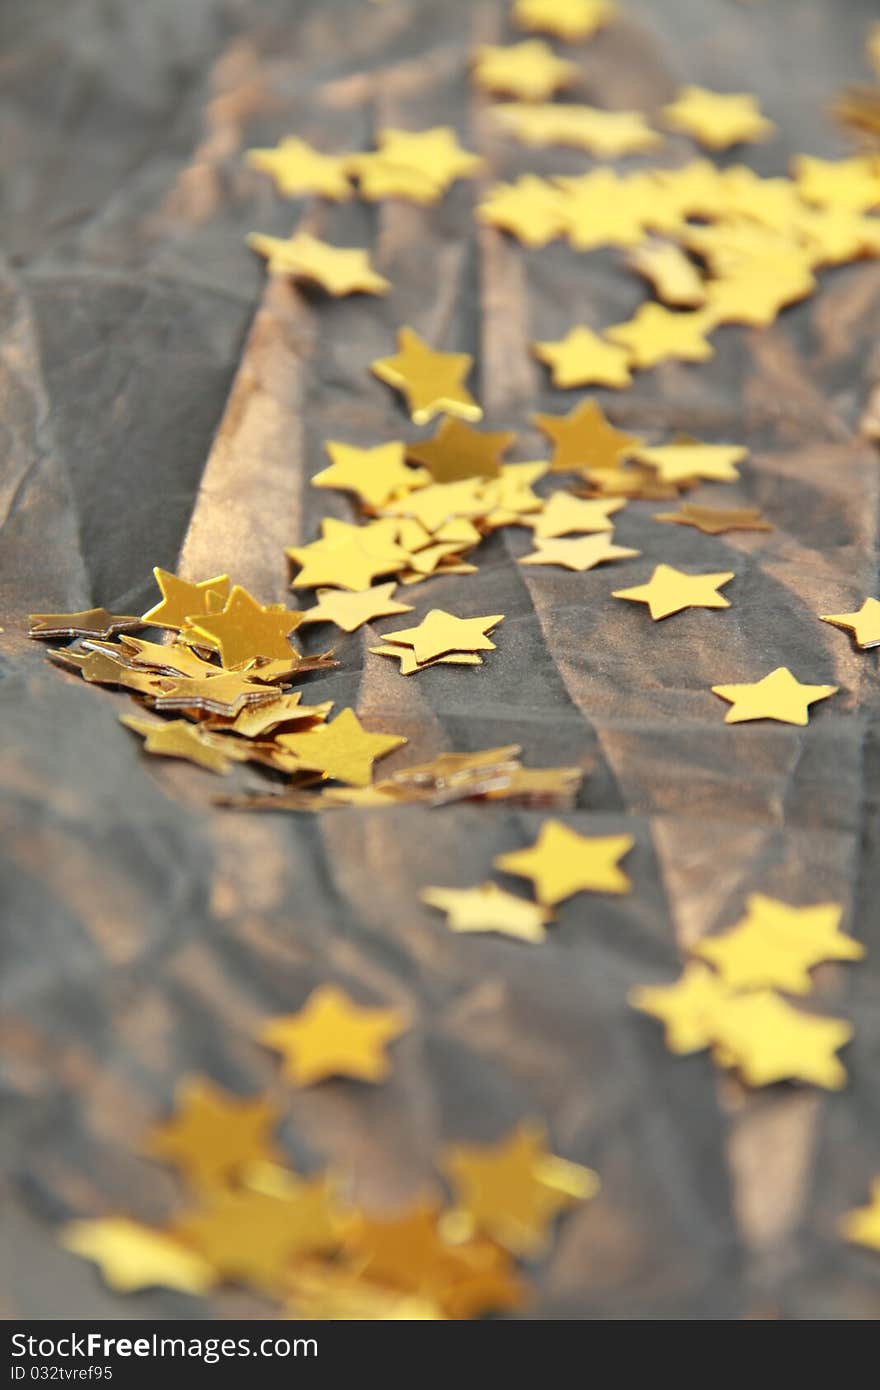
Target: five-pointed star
<point>606,134</point>
<point>561,863</point>
<point>674,277</point>
<point>768,1040</point>
<point>132,1257</point>
<point>670,590</point>
<point>582,358</point>
<point>530,209</point>
<point>457,452</point>
<point>338,270</point>
<point>655,334</point>
<point>775,946</point>
<point>343,750</point>
<point>717,120</point>
<point>178,739</point>
<point>777,696</point>
<point>580,554</point>
<point>514,1189</point>
<point>432,382</point>
<point>440,632</point>
<point>569,19</point>
<point>438,503</point>
<point>245,629</point>
<point>180,599</point>
<point>683,463</point>
<point>226,693</point>
<point>434,151</point>
<point>333,1036</point>
<point>863,1225</point>
<point>297,168</point>
<point>864,623</point>
<point>687,1008</point>
<point>214,1136</point>
<point>584,439</point>
<point>377,180</point>
<point>351,610</point>
<point>350,563</point>
<point>714,521</point>
<point>565,513</point>
<point>374,475</point>
<point>409,665</point>
<point>602,209</point>
<point>847,185</point>
<point>88,622</point>
<point>755,294</point>
<point>489,908</point>
<point>529,70</point>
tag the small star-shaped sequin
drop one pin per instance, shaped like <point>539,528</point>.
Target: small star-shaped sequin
<point>686,1008</point>
<point>581,553</point>
<point>602,209</point>
<point>440,632</point>
<point>717,120</point>
<point>564,514</point>
<point>434,152</point>
<point>180,599</point>
<point>684,463</point>
<point>569,19</point>
<point>777,696</point>
<point>432,382</point>
<point>767,1040</point>
<point>297,168</point>
<point>338,270</point>
<point>561,863</point>
<point>582,358</point>
<point>343,749</point>
<point>214,1136</point>
<point>131,1256</point>
<point>864,624</point>
<point>244,628</point>
<point>227,692</point>
<point>177,738</point>
<point>529,70</point>
<point>88,622</point>
<point>606,134</point>
<point>378,180</point>
<point>655,334</point>
<point>530,209</point>
<point>351,610</point>
<point>489,908</point>
<point>584,439</point>
<point>775,946</point>
<point>374,475</point>
<point>333,1036</point>
<point>851,185</point>
<point>670,590</point>
<point>457,452</point>
<point>715,521</point>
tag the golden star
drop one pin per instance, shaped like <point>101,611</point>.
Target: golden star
<point>530,209</point>
<point>333,1036</point>
<point>847,185</point>
<point>777,696</point>
<point>133,1257</point>
<point>377,180</point>
<point>670,590</point>
<point>489,908</point>
<point>255,720</point>
<point>374,475</point>
<point>436,151</point>
<point>338,270</point>
<point>438,503</point>
<point>687,1008</point>
<point>513,1190</point>
<point>606,134</point>
<point>683,463</point>
<point>214,1136</point>
<point>565,513</point>
<point>696,189</point>
<point>349,563</point>
<point>179,739</point>
<point>226,693</point>
<point>864,623</point>
<point>432,382</point>
<point>561,863</point>
<point>717,120</point>
<point>584,439</point>
<point>833,237</point>
<point>674,277</point>
<point>714,521</point>
<point>602,209</point>
<point>582,358</point>
<point>569,19</point>
<point>409,665</point>
<point>89,622</point>
<point>457,452</point>
<point>755,294</point>
<point>180,599</point>
<point>351,610</point>
<point>440,632</point>
<point>863,1225</point>
<point>343,750</point>
<point>655,334</point>
<point>529,70</point>
<point>775,946</point>
<point>175,660</point>
<point>767,1040</point>
<point>580,554</point>
<point>297,168</point>
<point>103,668</point>
<point>245,629</point>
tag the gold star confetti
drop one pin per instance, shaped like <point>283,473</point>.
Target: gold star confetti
<point>862,1226</point>
<point>351,610</point>
<point>90,622</point>
<point>529,70</point>
<point>864,624</point>
<point>580,554</point>
<point>181,599</point>
<point>133,1257</point>
<point>674,277</point>
<point>435,152</point>
<point>530,209</point>
<point>715,521</point>
<point>409,665</point>
<point>717,120</point>
<point>244,628</point>
<point>256,720</point>
<point>565,513</point>
<point>338,270</point>
<point>582,358</point>
<point>568,19</point>
<point>584,439</point>
<point>767,1040</point>
<point>297,169</point>
<point>214,1136</point>
<point>602,209</point>
<point>670,590</point>
<point>333,1036</point>
<point>606,134</point>
<point>684,463</point>
<point>378,180</point>
<point>457,452</point>
<point>777,696</point>
<point>373,475</point>
<point>439,633</point>
<point>343,750</point>
<point>561,863</point>
<point>179,739</point>
<point>687,1008</point>
<point>847,185</point>
<point>488,908</point>
<point>226,693</point>
<point>432,382</point>
<point>775,946</point>
<point>348,560</point>
<point>513,1190</point>
<point>656,334</point>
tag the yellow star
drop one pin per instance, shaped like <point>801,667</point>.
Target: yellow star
<point>489,908</point>
<point>687,1008</point>
<point>430,381</point>
<point>833,237</point>
<point>343,750</point>
<point>434,505</point>
<point>683,463</point>
<point>674,277</point>
<point>864,623</point>
<point>373,475</point>
<point>863,1225</point>
<point>714,521</point>
<point>245,629</point>
<point>214,1136</point>
<point>717,120</point>
<point>848,185</point>
<point>349,562</point>
<point>670,590</point>
<point>351,610</point>
<point>580,554</point>
<point>333,1036</point>
<point>602,209</point>
<point>565,513</point>
<point>582,358</point>
<point>777,696</point>
<point>754,294</point>
<point>440,632</point>
<point>180,598</point>
<point>696,189</point>
<point>255,720</point>
<point>606,134</point>
<point>775,946</point>
<point>530,209</point>
<point>767,1040</point>
<point>170,660</point>
<point>569,19</point>
<point>88,622</point>
<point>377,180</point>
<point>133,1257</point>
<point>561,863</point>
<point>179,739</point>
<point>529,70</point>
<point>458,452</point>
<point>226,693</point>
<point>655,334</point>
<point>584,439</point>
<point>338,270</point>
<point>409,665</point>
<point>434,151</point>
<point>297,168</point>
<point>514,1189</point>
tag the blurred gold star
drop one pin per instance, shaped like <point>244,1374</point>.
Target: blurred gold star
<point>333,1036</point>
<point>561,863</point>
<point>767,1040</point>
<point>214,1135</point>
<point>133,1257</point>
<point>584,439</point>
<point>440,632</point>
<point>338,270</point>
<point>864,624</point>
<point>432,382</point>
<point>655,334</point>
<point>351,610</point>
<point>776,946</point>
<point>530,209</point>
<point>343,749</point>
<point>687,1008</point>
<point>489,908</point>
<point>582,358</point>
<point>670,590</point>
<point>581,553</point>
<point>374,475</point>
<point>457,451</point>
<point>717,120</point>
<point>776,696</point>
<point>529,70</point>
<point>569,19</point>
<point>297,168</point>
